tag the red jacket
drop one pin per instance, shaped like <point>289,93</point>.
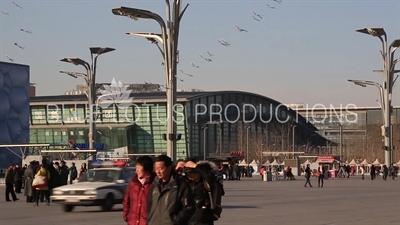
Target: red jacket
<point>135,201</point>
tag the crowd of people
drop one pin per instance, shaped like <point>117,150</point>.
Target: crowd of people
<point>161,193</point>
<point>57,174</point>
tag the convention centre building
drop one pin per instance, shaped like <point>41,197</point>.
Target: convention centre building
<point>208,123</point>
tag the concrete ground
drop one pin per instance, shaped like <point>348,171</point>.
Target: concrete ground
<point>250,201</point>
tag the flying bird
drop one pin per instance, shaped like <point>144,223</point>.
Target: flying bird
<point>187,74</point>
<point>223,42</point>
<point>27,31</point>
<point>9,58</point>
<point>255,18</point>
<point>240,29</point>
<point>16,5</point>
<point>179,79</point>
<point>207,59</point>
<point>196,66</point>
<point>5,13</point>
<point>210,54</point>
<point>271,7</point>
<point>19,46</point>
<point>257,15</point>
<point>278,1</point>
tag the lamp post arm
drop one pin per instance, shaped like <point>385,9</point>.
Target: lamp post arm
<point>183,12</point>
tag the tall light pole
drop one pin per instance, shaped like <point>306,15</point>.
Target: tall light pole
<point>204,143</point>
<point>169,38</point>
<point>247,148</point>
<point>389,63</point>
<point>293,138</point>
<point>90,79</point>
<point>340,141</point>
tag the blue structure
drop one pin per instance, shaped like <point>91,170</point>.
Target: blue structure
<point>14,110</point>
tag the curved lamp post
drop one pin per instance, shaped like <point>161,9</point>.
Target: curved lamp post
<point>387,53</point>
<point>90,79</point>
<point>169,40</point>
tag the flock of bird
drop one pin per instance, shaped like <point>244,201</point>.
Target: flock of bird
<point>256,17</point>
<point>208,58</point>
<point>22,30</point>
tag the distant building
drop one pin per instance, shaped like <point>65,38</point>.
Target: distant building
<point>32,90</point>
<point>135,88</point>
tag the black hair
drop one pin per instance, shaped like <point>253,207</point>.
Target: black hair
<point>146,162</point>
<point>165,159</point>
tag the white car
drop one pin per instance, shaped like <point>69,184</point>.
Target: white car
<point>102,187</point>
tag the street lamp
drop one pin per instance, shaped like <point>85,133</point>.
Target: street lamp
<point>204,147</point>
<point>387,53</point>
<point>247,148</point>
<point>293,138</point>
<point>152,38</point>
<point>90,78</point>
<point>169,39</point>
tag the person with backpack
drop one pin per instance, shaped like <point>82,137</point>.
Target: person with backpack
<point>207,191</point>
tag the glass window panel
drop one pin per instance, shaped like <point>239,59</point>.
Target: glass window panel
<point>54,114</point>
<point>73,114</point>
<point>109,114</point>
<point>38,115</point>
<point>125,114</point>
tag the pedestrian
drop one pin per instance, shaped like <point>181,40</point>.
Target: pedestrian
<point>73,173</point>
<point>135,199</point>
<point>170,201</point>
<point>18,178</point>
<point>9,179</point>
<point>28,176</point>
<point>372,172</point>
<point>44,190</point>
<point>362,171</point>
<point>207,191</point>
<point>392,171</point>
<point>321,177</point>
<point>308,176</point>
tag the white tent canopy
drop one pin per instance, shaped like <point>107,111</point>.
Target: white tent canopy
<point>243,163</point>
<point>267,163</point>
<point>398,163</point>
<point>254,162</point>
<point>275,163</point>
<point>364,163</point>
<point>376,162</point>
<point>352,163</point>
<point>306,162</point>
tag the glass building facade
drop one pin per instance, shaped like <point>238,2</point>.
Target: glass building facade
<point>211,118</point>
<point>361,128</point>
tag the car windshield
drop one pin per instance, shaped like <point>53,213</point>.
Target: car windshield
<point>100,175</point>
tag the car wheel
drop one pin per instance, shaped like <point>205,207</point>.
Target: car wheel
<point>108,203</point>
<point>68,208</point>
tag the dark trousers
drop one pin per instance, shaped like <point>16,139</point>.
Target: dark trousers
<point>362,177</point>
<point>10,190</point>
<point>307,182</point>
<point>372,176</point>
<point>320,181</point>
<point>18,186</point>
<point>45,193</point>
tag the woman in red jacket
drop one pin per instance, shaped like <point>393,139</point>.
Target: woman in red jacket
<point>135,200</point>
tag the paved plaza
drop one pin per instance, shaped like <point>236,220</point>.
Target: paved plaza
<point>250,201</point>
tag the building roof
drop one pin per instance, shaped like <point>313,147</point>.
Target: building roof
<point>143,95</point>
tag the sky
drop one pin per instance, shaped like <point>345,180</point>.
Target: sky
<point>300,52</point>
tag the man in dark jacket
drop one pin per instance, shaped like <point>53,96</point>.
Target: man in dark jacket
<point>170,201</point>
<point>207,192</point>
<point>64,172</point>
<point>73,173</point>
<point>308,176</point>
<point>9,178</point>
<point>18,178</point>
